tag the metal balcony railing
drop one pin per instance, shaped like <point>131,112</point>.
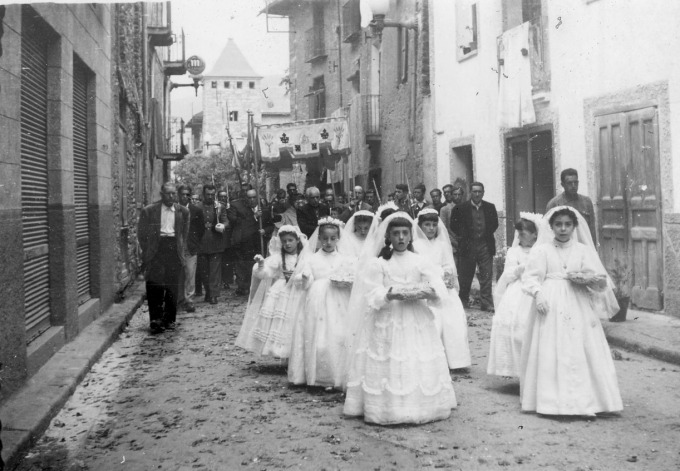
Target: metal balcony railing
<point>351,21</point>
<point>173,56</point>
<point>371,116</point>
<point>315,47</point>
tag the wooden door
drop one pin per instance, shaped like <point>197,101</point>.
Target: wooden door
<point>530,172</point>
<point>630,201</point>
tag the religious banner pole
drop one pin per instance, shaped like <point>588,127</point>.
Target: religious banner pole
<point>256,175</point>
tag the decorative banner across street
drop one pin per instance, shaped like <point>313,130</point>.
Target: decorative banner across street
<point>304,139</point>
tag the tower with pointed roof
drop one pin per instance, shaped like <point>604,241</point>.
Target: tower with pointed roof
<point>230,89</point>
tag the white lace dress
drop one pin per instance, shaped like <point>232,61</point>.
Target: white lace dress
<point>319,332</point>
<point>567,367</point>
<point>267,328</point>
<point>398,372</point>
<point>449,312</point>
<point>509,321</point>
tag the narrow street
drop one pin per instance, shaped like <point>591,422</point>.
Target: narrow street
<point>192,400</point>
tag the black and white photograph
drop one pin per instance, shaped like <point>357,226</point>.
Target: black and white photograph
<point>323,235</point>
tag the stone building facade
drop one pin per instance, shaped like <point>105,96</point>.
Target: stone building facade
<point>230,90</point>
<point>78,164</point>
<point>602,101</point>
<point>379,81</point>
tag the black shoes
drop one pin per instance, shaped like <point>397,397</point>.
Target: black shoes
<point>213,300</point>
<point>171,326</point>
<point>156,327</point>
<point>189,307</point>
<point>241,292</point>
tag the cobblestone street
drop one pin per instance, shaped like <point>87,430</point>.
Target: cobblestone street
<point>192,400</point>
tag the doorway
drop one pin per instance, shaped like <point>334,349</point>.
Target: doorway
<point>530,175</point>
<point>627,149</point>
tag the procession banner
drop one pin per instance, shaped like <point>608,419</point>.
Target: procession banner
<point>304,139</point>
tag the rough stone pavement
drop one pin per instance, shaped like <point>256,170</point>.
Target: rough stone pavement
<point>190,400</point>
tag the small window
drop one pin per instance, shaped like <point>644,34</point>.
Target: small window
<point>233,116</point>
<point>466,29</point>
<point>213,84</point>
<point>239,84</point>
<point>251,85</point>
<point>227,84</point>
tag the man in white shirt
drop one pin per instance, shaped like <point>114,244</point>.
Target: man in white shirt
<point>162,234</point>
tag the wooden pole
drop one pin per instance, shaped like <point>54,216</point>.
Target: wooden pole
<point>256,175</point>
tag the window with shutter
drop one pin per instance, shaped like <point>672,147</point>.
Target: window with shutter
<point>81,177</point>
<point>34,186</point>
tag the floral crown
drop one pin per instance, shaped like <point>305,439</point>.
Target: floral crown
<point>388,205</point>
<point>364,212</point>
<point>288,229</point>
<point>533,217</point>
<point>425,211</point>
<point>329,221</point>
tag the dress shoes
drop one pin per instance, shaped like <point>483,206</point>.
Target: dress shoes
<point>189,307</point>
<point>213,300</point>
<point>156,327</point>
<point>170,326</point>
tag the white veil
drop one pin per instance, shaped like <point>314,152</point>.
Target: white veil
<point>440,246</point>
<point>358,304</point>
<point>352,244</point>
<point>504,280</point>
<point>605,300</point>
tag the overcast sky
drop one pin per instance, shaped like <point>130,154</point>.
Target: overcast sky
<point>208,24</point>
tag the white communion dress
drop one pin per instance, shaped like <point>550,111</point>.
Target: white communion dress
<point>267,328</point>
<point>398,371</point>
<point>567,367</point>
<point>509,321</point>
<point>449,311</point>
<point>319,332</point>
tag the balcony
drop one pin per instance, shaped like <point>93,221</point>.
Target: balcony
<point>159,24</point>
<point>371,117</point>
<point>174,59</point>
<point>351,21</point>
<point>315,46</point>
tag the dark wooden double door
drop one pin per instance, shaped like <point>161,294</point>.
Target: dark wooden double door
<point>627,148</point>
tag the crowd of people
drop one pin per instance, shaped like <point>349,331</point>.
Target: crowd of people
<point>370,299</point>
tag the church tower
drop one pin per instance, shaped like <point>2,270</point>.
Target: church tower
<point>230,89</point>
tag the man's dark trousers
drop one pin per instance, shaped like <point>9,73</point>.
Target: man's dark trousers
<point>478,255</point>
<point>246,254</point>
<point>210,265</point>
<point>162,281</point>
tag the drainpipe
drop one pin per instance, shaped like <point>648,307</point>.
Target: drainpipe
<point>144,110</point>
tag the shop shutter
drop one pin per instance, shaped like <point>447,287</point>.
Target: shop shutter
<point>34,189</point>
<point>80,178</point>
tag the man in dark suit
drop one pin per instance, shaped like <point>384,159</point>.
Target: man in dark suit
<point>308,216</point>
<point>356,203</point>
<point>162,234</point>
<point>474,223</point>
<point>245,220</point>
<point>187,277</point>
<point>212,243</point>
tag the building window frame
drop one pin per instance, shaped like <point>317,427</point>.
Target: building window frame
<point>233,116</point>
<point>251,85</point>
<point>213,84</point>
<point>239,84</point>
<point>402,57</point>
<point>467,29</point>
<point>227,84</point>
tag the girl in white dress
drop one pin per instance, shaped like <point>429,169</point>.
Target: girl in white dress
<point>450,312</point>
<point>567,367</point>
<point>398,371</point>
<point>267,328</point>
<point>319,331</point>
<point>509,321</point>
<point>355,232</point>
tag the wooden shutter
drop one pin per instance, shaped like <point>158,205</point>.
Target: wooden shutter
<point>80,179</point>
<point>34,186</point>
